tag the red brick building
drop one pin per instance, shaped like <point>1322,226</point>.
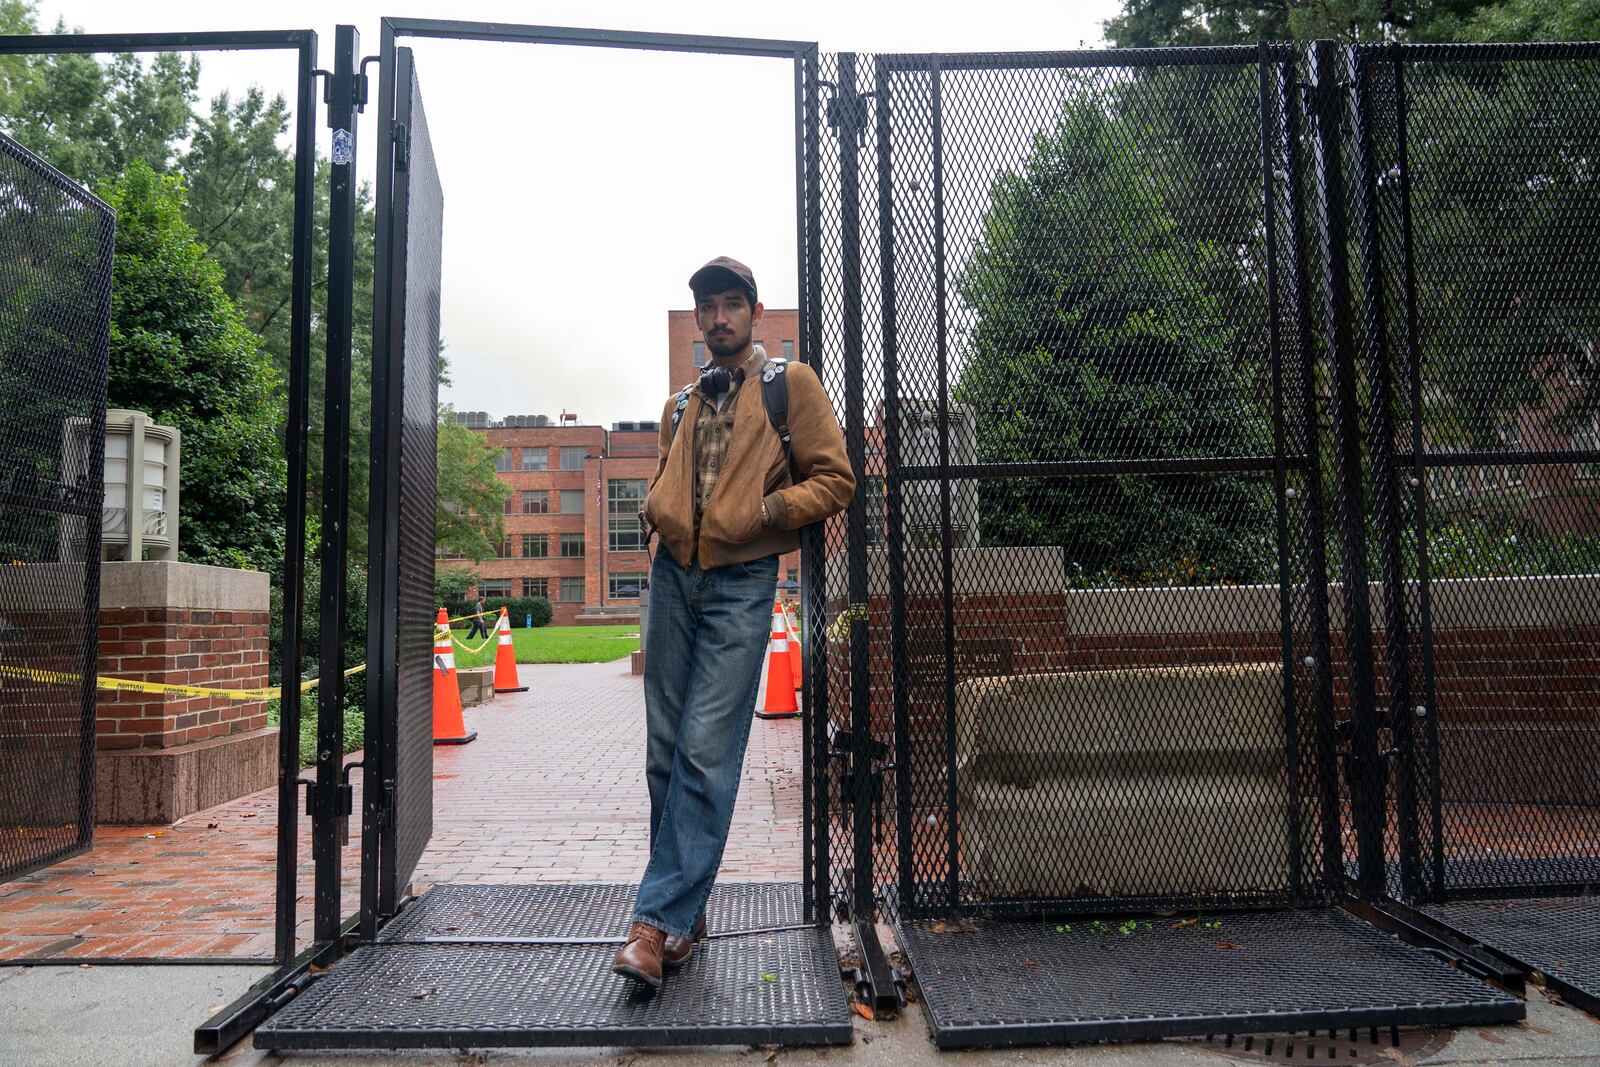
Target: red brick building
<point>571,531</point>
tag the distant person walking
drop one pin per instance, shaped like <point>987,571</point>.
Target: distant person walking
<point>733,486</point>
<point>478,628</point>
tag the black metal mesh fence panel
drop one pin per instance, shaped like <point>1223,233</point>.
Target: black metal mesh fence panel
<point>55,310</point>
<point>848,656</point>
<point>1107,687</point>
<point>423,235</point>
<point>1486,189</point>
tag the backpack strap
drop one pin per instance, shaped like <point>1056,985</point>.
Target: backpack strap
<point>775,397</point>
<point>677,410</point>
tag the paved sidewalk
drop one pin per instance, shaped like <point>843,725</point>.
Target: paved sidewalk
<point>145,1016</point>
<point>552,790</point>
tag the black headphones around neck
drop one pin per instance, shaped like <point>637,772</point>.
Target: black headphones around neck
<point>714,381</point>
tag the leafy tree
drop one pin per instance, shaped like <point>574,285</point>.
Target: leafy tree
<point>1104,341</point>
<point>91,119</point>
<point>451,585</point>
<point>1153,23</point>
<point>471,500</point>
<point>241,201</point>
<point>181,352</point>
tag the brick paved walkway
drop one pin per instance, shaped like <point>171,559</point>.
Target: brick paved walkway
<point>552,790</point>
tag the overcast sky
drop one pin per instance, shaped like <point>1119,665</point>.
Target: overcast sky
<point>582,185</point>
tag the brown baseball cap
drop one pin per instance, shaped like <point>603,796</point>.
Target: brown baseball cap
<point>720,274</point>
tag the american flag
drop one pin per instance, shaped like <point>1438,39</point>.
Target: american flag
<point>599,501</point>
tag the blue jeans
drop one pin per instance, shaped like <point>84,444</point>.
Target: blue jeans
<point>702,666</point>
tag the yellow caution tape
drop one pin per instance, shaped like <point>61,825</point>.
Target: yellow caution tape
<point>133,685</point>
<point>468,648</point>
<point>477,615</point>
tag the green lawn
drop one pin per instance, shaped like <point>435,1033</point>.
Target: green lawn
<point>557,644</point>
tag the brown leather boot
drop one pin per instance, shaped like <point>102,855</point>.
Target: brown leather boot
<point>640,957</point>
<point>675,951</point>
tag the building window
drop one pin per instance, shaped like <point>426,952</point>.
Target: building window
<point>788,349</point>
<point>572,590</point>
<point>447,552</point>
<point>535,501</point>
<point>502,459</point>
<point>503,549</point>
<point>535,546</point>
<point>571,546</point>
<point>572,501</point>
<point>624,586</point>
<point>699,353</point>
<point>511,500</point>
<point>624,498</point>
<point>535,459</point>
<point>572,457</point>
<point>489,587</point>
<point>872,502</point>
<point>793,575</point>
<point>536,587</point>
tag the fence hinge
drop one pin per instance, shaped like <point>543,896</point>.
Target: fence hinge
<point>402,146</point>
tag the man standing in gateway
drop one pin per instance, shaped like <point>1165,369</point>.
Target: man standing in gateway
<point>749,454</point>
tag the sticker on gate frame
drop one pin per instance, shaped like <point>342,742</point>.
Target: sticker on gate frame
<point>343,147</point>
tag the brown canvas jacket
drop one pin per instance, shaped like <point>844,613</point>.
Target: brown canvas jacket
<point>730,529</point>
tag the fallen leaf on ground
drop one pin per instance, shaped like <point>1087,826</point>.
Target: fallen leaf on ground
<point>865,1011</point>
<point>1030,963</point>
<point>953,928</point>
<point>211,826</point>
<point>768,976</point>
<point>1181,923</point>
<point>1491,1037</point>
<point>84,966</point>
<point>1229,944</point>
<point>249,815</point>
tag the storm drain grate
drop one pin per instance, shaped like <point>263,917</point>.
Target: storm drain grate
<point>1353,1046</point>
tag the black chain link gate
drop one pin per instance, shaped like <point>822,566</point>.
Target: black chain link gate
<point>56,245</point>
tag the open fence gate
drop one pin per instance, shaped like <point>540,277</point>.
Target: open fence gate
<point>1112,706</point>
<point>502,965</point>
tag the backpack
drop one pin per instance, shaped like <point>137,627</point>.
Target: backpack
<point>774,397</point>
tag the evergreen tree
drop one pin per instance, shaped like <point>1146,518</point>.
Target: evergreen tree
<point>180,352</point>
<point>1097,337</point>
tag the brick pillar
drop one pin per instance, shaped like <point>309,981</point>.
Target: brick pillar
<point>160,756</point>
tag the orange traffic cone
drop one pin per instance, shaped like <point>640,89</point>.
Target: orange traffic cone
<point>448,726</point>
<point>796,662</point>
<point>780,685</point>
<point>505,659</point>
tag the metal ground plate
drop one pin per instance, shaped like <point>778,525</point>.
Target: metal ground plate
<point>598,912</point>
<point>780,987</point>
<point>1556,936</point>
<point>994,982</point>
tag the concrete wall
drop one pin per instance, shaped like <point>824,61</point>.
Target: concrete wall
<point>1517,660</point>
